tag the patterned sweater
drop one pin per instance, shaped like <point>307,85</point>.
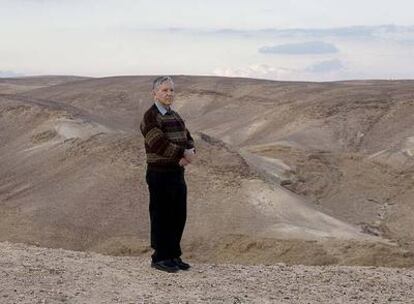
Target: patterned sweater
<point>166,138</point>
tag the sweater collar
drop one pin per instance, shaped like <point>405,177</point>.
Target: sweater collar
<point>163,109</point>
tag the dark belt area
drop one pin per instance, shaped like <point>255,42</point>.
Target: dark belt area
<point>165,168</point>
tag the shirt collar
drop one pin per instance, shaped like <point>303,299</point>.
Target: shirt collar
<point>163,110</point>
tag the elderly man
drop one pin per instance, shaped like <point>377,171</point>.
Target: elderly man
<point>169,148</point>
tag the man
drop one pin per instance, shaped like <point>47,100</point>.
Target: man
<point>169,148</point>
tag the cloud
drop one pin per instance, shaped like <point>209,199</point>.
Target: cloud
<point>310,47</point>
<point>325,66</point>
<point>320,71</point>
<point>391,31</point>
<point>262,71</point>
<point>339,32</point>
<point>9,74</point>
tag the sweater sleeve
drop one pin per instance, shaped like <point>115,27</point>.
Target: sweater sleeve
<point>190,140</point>
<point>157,141</point>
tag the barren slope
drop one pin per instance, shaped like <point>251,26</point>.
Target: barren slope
<point>73,164</point>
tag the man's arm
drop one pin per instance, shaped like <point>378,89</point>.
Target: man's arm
<point>157,140</point>
<point>190,141</point>
<point>190,151</point>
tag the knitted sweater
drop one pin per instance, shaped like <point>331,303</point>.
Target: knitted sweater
<point>166,138</point>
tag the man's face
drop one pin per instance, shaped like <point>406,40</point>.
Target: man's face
<point>165,93</point>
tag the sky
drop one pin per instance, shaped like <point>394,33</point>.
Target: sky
<point>310,40</point>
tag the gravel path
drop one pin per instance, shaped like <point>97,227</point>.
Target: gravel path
<point>31,274</point>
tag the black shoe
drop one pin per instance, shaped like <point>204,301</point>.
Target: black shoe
<point>181,264</point>
<point>165,265</point>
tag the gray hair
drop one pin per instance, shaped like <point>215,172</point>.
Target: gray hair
<point>160,80</point>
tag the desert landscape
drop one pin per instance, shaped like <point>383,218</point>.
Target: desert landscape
<point>302,192</point>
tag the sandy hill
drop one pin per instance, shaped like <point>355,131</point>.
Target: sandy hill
<point>295,172</point>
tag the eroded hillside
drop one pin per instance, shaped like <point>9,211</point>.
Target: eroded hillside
<point>283,168</point>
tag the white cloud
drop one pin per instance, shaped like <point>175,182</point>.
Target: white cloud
<point>259,71</point>
<point>309,47</point>
<point>9,74</point>
<point>326,66</point>
<point>321,71</point>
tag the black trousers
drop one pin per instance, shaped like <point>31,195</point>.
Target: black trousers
<point>168,212</point>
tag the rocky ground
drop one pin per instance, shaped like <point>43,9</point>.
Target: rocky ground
<point>30,274</point>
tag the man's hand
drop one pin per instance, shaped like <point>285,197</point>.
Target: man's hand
<point>189,155</point>
<point>183,162</point>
